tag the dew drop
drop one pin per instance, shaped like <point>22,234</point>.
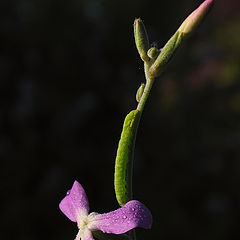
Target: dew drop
<point>124,217</point>
<point>68,192</point>
<point>133,209</point>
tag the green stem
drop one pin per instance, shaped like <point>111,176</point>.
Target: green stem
<point>106,236</point>
<point>132,234</point>
<point>140,107</point>
<point>147,89</point>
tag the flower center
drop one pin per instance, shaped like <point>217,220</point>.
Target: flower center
<point>82,223</point>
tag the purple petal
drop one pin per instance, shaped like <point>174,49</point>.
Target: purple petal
<point>75,203</point>
<point>132,214</point>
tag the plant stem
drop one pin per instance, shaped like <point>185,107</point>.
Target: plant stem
<point>147,89</point>
<point>140,107</point>
<point>132,234</point>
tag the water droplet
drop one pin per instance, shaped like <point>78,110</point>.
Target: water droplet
<point>133,209</point>
<point>124,217</point>
<point>68,192</point>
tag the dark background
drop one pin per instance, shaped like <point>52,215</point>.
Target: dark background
<point>69,71</point>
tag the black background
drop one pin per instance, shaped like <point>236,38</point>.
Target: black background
<point>69,71</point>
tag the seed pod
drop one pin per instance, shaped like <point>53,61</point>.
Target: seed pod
<point>141,39</point>
<point>140,92</point>
<point>124,158</point>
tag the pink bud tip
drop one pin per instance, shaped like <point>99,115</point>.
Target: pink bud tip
<point>195,18</point>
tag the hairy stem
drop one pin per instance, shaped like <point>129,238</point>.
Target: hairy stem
<point>147,89</point>
<point>140,107</point>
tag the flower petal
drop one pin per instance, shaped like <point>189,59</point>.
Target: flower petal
<point>75,203</point>
<point>87,235</point>
<point>132,214</point>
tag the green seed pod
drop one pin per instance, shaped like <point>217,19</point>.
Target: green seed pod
<point>124,158</point>
<point>153,52</point>
<point>141,39</point>
<point>140,92</point>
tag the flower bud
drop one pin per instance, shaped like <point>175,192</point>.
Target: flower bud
<point>140,92</point>
<point>141,39</point>
<point>153,52</point>
<point>164,56</point>
<point>186,28</point>
<point>195,18</point>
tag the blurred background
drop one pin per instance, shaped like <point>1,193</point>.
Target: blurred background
<point>69,71</point>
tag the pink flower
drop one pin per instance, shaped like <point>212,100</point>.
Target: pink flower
<point>75,206</point>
